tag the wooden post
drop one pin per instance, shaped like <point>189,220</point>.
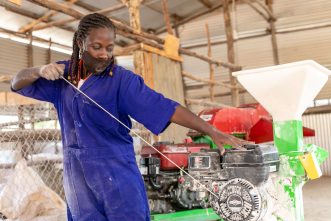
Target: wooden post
<point>134,12</point>
<point>256,9</point>
<point>211,68</point>
<point>32,113</point>
<point>181,64</point>
<point>30,51</point>
<point>273,34</point>
<point>166,16</point>
<point>191,76</point>
<point>205,103</point>
<point>45,17</point>
<point>21,144</point>
<point>49,52</point>
<point>230,47</point>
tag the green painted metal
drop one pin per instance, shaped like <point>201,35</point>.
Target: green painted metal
<point>288,136</point>
<point>205,139</point>
<point>188,215</point>
<point>319,152</point>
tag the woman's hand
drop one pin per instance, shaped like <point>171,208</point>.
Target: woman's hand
<point>186,118</point>
<point>51,71</point>
<point>221,139</point>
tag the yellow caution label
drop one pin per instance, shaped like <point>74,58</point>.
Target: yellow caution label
<point>309,162</point>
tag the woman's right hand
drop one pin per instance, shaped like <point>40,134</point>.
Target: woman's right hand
<point>51,71</point>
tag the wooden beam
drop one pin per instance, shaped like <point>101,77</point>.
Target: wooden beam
<point>211,68</point>
<point>54,23</point>
<point>30,51</point>
<point>248,2</point>
<point>87,6</point>
<point>26,13</point>
<point>18,10</point>
<point>26,36</point>
<point>119,25</point>
<point>49,52</point>
<point>166,16</point>
<point>134,13</point>
<point>45,17</point>
<point>128,50</point>
<point>241,91</point>
<point>266,33</point>
<point>177,34</point>
<point>210,82</point>
<point>273,35</point>
<point>270,13</point>
<point>230,50</point>
<point>318,110</point>
<point>30,25</point>
<point>206,3</point>
<point>148,5</point>
<point>190,18</point>
<point>110,9</point>
<point>133,34</point>
<point>58,7</point>
<point>191,101</point>
<point>160,11</point>
<point>234,67</point>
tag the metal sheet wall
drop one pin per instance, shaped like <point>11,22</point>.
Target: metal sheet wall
<point>14,56</point>
<point>256,52</point>
<point>321,123</point>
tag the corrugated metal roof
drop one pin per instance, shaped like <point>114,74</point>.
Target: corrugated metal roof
<point>249,52</point>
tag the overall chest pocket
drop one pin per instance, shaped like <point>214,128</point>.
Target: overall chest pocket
<point>94,116</point>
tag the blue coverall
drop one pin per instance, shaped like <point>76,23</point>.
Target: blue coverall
<point>101,179</point>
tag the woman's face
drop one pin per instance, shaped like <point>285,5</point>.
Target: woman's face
<point>98,49</point>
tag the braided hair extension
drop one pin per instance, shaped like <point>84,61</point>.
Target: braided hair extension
<point>87,23</point>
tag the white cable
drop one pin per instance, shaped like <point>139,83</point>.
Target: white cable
<point>210,191</point>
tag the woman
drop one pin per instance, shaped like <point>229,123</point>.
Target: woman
<point>101,179</point>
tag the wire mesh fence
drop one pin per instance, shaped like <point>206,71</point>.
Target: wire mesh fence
<point>32,133</point>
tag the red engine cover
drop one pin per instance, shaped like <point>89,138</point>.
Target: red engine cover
<point>251,121</point>
<point>178,153</point>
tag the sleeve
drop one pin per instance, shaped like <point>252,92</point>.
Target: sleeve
<point>145,105</point>
<point>43,89</point>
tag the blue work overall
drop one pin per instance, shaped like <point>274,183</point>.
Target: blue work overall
<point>101,179</point>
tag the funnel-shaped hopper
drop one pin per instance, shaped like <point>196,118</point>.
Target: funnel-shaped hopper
<point>285,90</point>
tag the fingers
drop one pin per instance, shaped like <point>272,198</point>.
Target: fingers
<point>225,139</point>
<point>60,68</point>
<point>222,150</point>
<point>52,71</point>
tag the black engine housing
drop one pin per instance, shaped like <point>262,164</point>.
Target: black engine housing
<point>253,164</point>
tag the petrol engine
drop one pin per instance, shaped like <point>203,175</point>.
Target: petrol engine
<point>232,184</point>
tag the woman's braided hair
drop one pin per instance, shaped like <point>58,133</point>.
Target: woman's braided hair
<point>87,23</point>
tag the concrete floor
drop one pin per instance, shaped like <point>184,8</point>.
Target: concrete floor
<point>317,199</point>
